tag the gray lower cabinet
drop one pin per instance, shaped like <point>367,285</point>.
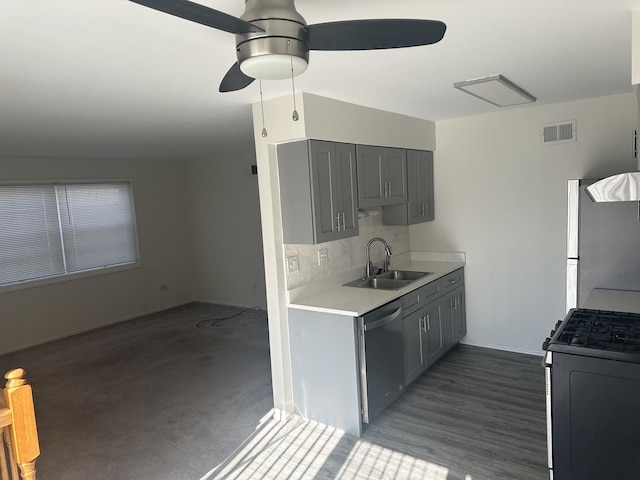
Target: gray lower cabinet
<point>420,199</point>
<point>423,342</point>
<point>434,320</point>
<point>414,362</point>
<point>326,353</point>
<point>318,191</point>
<point>453,307</point>
<point>432,328</point>
<point>382,176</point>
<point>454,314</point>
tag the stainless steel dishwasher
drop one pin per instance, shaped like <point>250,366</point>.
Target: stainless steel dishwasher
<point>381,347</point>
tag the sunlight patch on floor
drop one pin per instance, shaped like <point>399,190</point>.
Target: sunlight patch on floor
<point>302,450</point>
<point>368,460</point>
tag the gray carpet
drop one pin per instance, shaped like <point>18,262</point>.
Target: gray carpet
<point>158,397</point>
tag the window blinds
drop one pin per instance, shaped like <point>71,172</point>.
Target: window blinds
<point>54,229</point>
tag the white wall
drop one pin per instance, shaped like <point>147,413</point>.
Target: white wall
<point>38,314</point>
<point>635,47</point>
<point>324,119</point>
<point>500,196</point>
<point>225,225</point>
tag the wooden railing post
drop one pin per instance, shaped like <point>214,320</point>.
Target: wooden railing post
<point>22,431</point>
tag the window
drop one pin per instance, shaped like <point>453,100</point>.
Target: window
<point>49,230</point>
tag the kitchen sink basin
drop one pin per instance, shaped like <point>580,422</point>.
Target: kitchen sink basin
<point>403,275</point>
<point>391,280</point>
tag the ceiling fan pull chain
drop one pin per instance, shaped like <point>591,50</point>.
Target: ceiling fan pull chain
<point>295,115</point>
<point>264,129</point>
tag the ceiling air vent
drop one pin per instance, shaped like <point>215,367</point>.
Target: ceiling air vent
<point>558,132</point>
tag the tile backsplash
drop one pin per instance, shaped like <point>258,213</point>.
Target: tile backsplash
<point>348,254</point>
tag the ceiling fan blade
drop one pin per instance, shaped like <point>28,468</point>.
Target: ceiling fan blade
<point>235,80</point>
<point>200,14</point>
<point>374,34</point>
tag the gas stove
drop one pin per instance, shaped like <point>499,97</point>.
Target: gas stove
<point>597,333</point>
<point>592,361</point>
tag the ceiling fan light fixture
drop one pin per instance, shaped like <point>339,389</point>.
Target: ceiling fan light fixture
<point>273,40</point>
<point>273,66</point>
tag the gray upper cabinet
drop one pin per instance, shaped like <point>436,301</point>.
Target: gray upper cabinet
<point>419,207</point>
<point>382,176</point>
<point>318,191</point>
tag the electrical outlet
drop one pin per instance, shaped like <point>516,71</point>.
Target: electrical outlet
<point>323,256</point>
<point>292,264</point>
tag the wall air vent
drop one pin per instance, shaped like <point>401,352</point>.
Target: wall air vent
<point>558,132</point>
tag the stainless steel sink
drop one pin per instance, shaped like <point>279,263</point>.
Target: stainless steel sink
<point>391,280</point>
<point>403,275</point>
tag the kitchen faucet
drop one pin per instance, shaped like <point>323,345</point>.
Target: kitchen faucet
<point>387,252</point>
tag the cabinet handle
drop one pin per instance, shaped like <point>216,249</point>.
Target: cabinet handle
<point>451,282</point>
<point>344,222</point>
<point>418,298</point>
<point>337,217</point>
<point>384,189</point>
<point>428,322</point>
<point>389,189</point>
<point>423,323</point>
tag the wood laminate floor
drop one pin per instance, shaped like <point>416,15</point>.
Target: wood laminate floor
<point>477,414</point>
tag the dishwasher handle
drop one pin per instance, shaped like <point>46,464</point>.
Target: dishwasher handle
<point>383,321</point>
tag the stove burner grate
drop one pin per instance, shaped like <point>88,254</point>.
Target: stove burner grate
<point>600,329</point>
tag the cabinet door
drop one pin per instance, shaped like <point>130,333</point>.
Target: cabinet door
<point>346,189</point>
<point>326,216</point>
<point>460,317</point>
<point>369,176</point>
<point>425,186</point>
<point>419,205</point>
<point>420,186</point>
<point>454,316</point>
<point>432,329</point>
<point>447,319</point>
<point>394,176</point>
<point>414,205</point>
<point>413,345</point>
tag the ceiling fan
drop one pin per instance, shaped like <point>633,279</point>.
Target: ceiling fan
<point>273,40</point>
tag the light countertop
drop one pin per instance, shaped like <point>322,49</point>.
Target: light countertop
<point>355,301</point>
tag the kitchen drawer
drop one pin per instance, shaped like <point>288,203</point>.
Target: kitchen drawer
<point>431,291</point>
<point>452,280</point>
<point>421,296</point>
<point>411,301</point>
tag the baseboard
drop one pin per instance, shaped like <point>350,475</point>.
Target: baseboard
<point>537,353</point>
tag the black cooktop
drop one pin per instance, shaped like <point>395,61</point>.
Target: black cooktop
<point>597,333</point>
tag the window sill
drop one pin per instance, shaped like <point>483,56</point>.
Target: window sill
<point>66,277</point>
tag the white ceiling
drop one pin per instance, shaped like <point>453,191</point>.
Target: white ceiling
<point>113,79</point>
